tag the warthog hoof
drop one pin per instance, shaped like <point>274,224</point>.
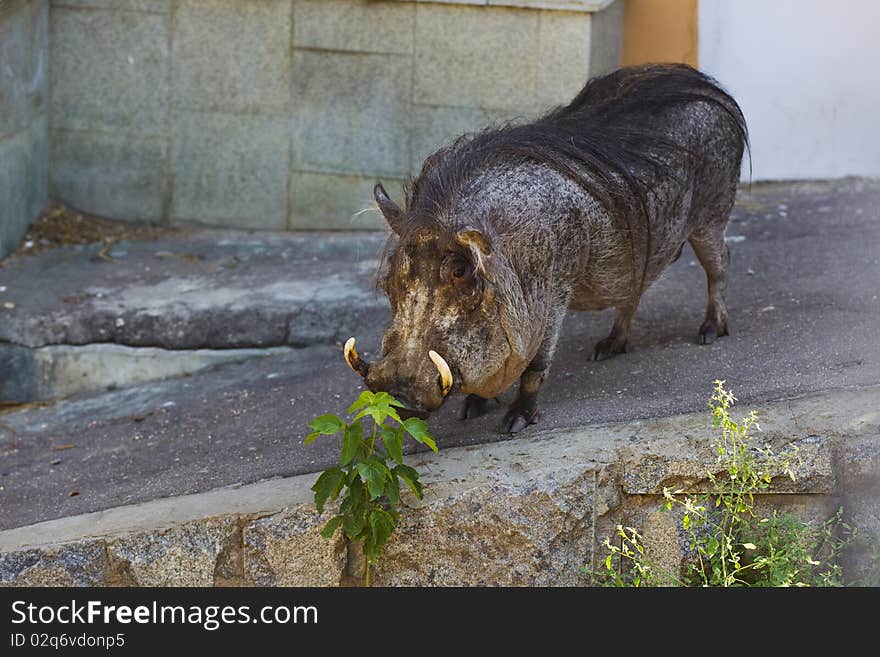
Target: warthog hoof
<point>474,406</point>
<point>608,347</point>
<point>710,330</point>
<point>517,418</point>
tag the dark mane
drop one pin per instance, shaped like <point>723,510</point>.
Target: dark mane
<point>608,139</point>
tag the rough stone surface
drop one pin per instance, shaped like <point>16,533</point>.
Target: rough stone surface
<point>232,57</point>
<point>326,201</point>
<point>80,563</point>
<point>24,51</point>
<point>16,170</point>
<point>24,93</point>
<point>60,371</point>
<point>351,112</point>
<point>563,62</point>
<point>674,461</point>
<point>185,555</point>
<point>537,533</point>
<point>435,126</point>
<point>230,170</point>
<point>606,38</point>
<point>210,289</point>
<point>355,25</point>
<point>454,45</point>
<point>109,71</point>
<point>114,175</point>
<point>150,6</point>
<point>287,549</point>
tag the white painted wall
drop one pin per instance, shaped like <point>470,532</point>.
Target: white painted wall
<point>807,75</point>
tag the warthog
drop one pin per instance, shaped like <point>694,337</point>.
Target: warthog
<point>505,229</point>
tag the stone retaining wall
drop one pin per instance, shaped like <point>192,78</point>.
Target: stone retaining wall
<point>24,132</point>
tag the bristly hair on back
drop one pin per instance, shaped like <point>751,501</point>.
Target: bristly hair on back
<point>607,139</point>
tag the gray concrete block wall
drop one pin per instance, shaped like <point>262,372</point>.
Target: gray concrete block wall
<point>24,93</point>
<point>282,114</point>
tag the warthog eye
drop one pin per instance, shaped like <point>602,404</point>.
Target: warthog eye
<point>458,270</point>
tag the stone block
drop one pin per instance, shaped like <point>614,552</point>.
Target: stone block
<point>24,54</point>
<point>230,170</point>
<point>73,564</point>
<point>475,56</point>
<point>606,39</point>
<point>330,201</point>
<point>15,155</point>
<point>39,174</point>
<point>862,557</point>
<point>356,25</point>
<point>437,126</point>
<point>565,5</point>
<point>22,182</point>
<point>17,374</point>
<point>149,6</point>
<point>232,56</point>
<point>680,463</point>
<point>109,71</point>
<point>350,112</point>
<point>287,549</point>
<point>185,555</point>
<point>563,63</point>
<point>536,531</point>
<point>110,175</point>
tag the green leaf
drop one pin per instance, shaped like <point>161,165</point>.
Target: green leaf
<point>311,438</point>
<point>365,399</point>
<point>392,490</point>
<point>418,429</point>
<point>327,424</point>
<point>387,400</point>
<point>374,477</point>
<point>750,546</point>
<point>410,478</point>
<point>382,525</point>
<point>331,526</point>
<point>350,441</point>
<point>328,484</point>
<point>393,442</point>
<point>353,523</point>
<point>379,412</point>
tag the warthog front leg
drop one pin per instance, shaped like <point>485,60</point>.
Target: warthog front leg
<point>475,406</point>
<point>524,410</point>
<point>617,341</point>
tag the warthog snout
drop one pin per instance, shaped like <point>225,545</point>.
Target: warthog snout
<point>422,385</point>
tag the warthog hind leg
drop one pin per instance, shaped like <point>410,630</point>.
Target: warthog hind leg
<point>714,256</point>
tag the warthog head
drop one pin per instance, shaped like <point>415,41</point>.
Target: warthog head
<point>460,321</point>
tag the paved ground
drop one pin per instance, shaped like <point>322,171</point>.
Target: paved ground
<point>804,308</point>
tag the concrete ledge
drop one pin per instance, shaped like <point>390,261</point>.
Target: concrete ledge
<point>529,511</point>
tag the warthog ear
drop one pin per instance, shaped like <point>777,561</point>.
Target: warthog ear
<point>479,247</point>
<point>474,239</point>
<point>390,210</point>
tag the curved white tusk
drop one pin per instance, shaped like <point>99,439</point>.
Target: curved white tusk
<point>445,372</point>
<point>352,358</point>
